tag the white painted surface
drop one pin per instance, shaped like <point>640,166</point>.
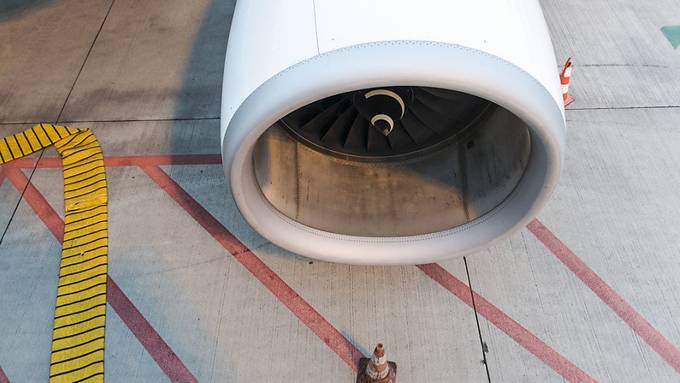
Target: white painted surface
<point>513,30</point>
<point>266,37</point>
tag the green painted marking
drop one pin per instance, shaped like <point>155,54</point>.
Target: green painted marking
<point>672,33</point>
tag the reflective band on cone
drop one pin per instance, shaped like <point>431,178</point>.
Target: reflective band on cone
<point>377,369</point>
<point>80,313</point>
<point>565,77</point>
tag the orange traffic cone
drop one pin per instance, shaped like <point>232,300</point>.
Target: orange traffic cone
<point>565,76</point>
<point>377,369</point>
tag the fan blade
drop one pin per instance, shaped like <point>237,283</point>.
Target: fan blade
<point>399,138</point>
<point>356,136</point>
<point>336,133</point>
<point>321,121</point>
<point>377,142</point>
<point>416,129</point>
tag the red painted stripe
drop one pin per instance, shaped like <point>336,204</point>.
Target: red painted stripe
<point>3,377</point>
<point>516,331</point>
<point>284,293</point>
<point>622,308</point>
<point>153,343</point>
<point>45,162</point>
<point>175,159</point>
<point>37,202</point>
<point>113,161</point>
<point>147,335</point>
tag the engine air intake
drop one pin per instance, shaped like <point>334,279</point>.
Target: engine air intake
<point>426,133</point>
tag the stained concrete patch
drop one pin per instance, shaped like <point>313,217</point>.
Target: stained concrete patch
<point>155,59</point>
<point>42,48</point>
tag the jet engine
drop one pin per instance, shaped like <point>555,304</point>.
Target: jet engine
<point>390,131</point>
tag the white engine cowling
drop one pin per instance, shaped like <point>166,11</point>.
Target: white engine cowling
<point>390,131</point>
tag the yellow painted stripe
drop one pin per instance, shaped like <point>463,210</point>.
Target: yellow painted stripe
<point>63,131</point>
<point>82,256</point>
<point>83,141</point>
<point>51,133</point>
<point>23,144</point>
<point>72,158</point>
<point>83,334</point>
<point>74,216</point>
<point>85,228</point>
<point>69,182</point>
<point>42,136</point>
<point>87,341</point>
<point>82,374</point>
<point>88,318</point>
<point>76,364</point>
<point>68,173</point>
<point>82,286</point>
<point>33,139</point>
<point>76,269</point>
<point>5,153</point>
<point>83,249</point>
<point>85,160</point>
<point>97,197</point>
<point>88,302</point>
<point>79,184</point>
<point>74,141</point>
<point>80,312</point>
<point>72,155</point>
<point>14,147</point>
<point>74,277</point>
<point>86,314</point>
<point>81,325</point>
<point>86,358</point>
<point>91,188</point>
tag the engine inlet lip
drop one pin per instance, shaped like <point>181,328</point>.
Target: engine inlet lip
<point>477,73</point>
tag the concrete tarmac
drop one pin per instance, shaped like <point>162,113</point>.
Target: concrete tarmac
<point>589,292</point>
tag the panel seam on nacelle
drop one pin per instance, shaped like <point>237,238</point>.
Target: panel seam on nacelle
<point>316,28</point>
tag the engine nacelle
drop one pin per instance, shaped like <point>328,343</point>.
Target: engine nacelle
<point>390,131</point>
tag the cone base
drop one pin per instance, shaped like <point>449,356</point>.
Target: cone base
<point>568,100</point>
<point>362,378</point>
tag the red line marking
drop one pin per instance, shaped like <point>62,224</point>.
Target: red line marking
<point>160,351</point>
<point>282,291</point>
<point>622,308</point>
<point>145,333</point>
<point>175,159</point>
<point>3,377</point>
<point>516,331</point>
<point>37,202</point>
<point>113,161</point>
